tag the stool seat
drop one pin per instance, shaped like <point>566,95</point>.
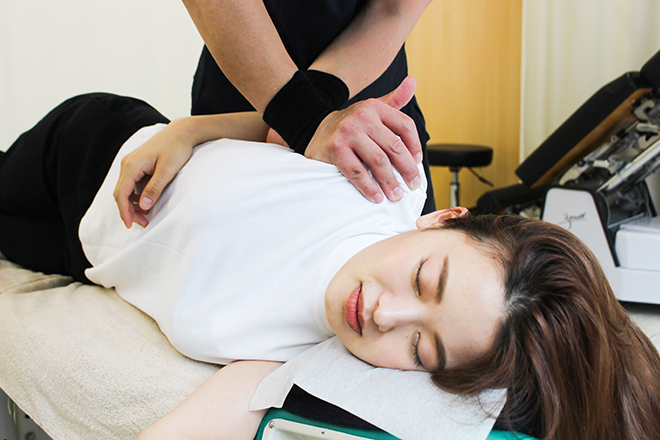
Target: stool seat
<point>459,155</point>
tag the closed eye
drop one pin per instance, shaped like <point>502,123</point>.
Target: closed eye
<point>415,345</point>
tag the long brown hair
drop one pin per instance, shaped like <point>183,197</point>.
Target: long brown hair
<point>574,365</point>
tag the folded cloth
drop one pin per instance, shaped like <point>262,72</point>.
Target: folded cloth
<point>404,403</point>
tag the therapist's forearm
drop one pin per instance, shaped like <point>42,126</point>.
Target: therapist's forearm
<point>364,50</point>
<point>244,42</point>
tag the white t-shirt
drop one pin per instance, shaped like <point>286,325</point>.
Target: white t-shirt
<point>240,248</point>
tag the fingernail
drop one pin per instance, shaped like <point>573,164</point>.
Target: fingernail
<point>146,202</point>
<point>418,158</point>
<point>416,182</point>
<point>397,193</point>
<point>378,198</point>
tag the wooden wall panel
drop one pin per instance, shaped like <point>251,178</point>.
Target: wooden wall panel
<point>465,55</point>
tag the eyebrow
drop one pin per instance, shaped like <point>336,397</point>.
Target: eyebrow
<point>444,273</point>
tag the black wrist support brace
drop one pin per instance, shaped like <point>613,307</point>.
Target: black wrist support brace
<point>296,111</point>
<point>331,88</point>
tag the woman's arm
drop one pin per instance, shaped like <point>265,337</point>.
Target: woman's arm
<point>146,171</point>
<point>218,409</point>
<point>155,163</point>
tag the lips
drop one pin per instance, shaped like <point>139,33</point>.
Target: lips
<point>351,311</point>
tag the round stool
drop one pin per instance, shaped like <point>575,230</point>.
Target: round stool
<point>457,156</point>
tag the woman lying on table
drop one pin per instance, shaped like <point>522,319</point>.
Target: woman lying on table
<point>254,253</point>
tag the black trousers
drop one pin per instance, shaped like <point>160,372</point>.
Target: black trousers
<point>50,175</point>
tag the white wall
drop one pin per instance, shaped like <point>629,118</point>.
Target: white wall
<point>51,50</point>
<point>571,48</point>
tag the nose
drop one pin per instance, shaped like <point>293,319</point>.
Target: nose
<point>391,313</point>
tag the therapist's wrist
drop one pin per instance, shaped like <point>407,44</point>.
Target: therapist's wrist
<point>296,111</point>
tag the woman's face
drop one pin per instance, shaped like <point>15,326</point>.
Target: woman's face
<point>422,300</point>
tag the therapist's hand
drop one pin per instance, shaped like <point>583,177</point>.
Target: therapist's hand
<point>372,134</point>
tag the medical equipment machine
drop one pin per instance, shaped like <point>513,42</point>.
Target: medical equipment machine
<point>589,176</point>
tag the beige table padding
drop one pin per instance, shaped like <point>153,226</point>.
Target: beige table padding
<point>82,362</point>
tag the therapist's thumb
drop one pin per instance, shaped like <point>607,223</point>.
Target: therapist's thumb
<point>402,94</point>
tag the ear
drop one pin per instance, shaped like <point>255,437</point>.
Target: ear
<point>437,218</point>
